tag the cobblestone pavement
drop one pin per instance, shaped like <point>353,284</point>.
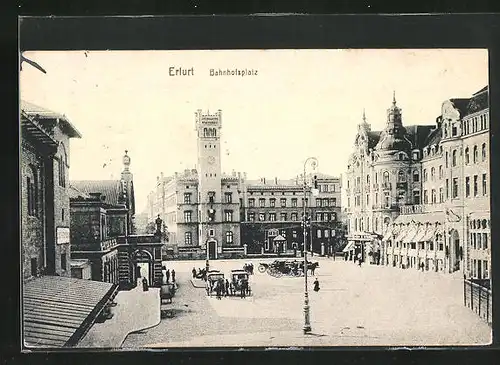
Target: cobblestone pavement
<point>368,305</point>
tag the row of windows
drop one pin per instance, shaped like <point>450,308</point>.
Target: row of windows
<point>421,245</point>
<point>320,202</point>
<point>416,175</point>
<point>479,241</point>
<point>480,269</point>
<point>325,217</point>
<point>188,238</point>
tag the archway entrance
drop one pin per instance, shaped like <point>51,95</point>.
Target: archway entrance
<point>455,250</point>
<point>142,266</point>
<point>212,249</point>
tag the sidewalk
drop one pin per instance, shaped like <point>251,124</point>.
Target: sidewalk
<point>198,283</point>
<point>136,310</point>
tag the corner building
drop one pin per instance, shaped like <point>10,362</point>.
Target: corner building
<point>418,197</point>
<point>210,213</point>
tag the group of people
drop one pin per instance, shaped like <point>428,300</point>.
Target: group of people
<point>200,274</point>
<point>224,288</point>
<point>248,267</point>
<point>167,274</point>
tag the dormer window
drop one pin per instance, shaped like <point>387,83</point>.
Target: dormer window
<point>454,130</point>
<point>415,155</point>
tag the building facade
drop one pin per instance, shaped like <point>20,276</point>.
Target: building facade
<point>103,231</point>
<point>45,237</point>
<point>212,214</point>
<point>410,191</point>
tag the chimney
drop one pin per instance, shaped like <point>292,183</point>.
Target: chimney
<point>264,180</point>
<point>176,174</point>
<point>161,174</point>
<point>233,173</point>
<point>245,175</point>
<point>157,178</point>
<point>276,180</point>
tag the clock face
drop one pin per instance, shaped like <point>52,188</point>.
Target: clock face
<point>211,159</point>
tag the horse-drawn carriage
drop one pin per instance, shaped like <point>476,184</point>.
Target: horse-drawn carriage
<point>215,282</point>
<point>239,283</point>
<point>279,268</point>
<point>167,292</point>
<point>248,267</point>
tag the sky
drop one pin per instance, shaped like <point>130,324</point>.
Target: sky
<point>300,103</point>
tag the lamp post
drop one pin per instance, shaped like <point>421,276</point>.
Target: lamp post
<point>307,324</point>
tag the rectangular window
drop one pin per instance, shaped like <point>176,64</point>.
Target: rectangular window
<point>188,238</point>
<point>425,175</point>
<point>333,202</point>
<point>318,233</point>
<point>431,246</point>
<point>294,216</point>
<point>228,215</point>
<point>272,202</point>
<point>262,202</point>
<point>64,262</point>
<point>485,241</point>
<point>251,217</point>
<point>187,198</point>
<point>283,216</point>
<point>187,216</point>
<point>441,195</point>
<point>447,188</point>
<point>326,233</point>
<point>475,185</point>
<point>262,216</point>
<point>325,188</point>
<point>211,232</point>
<point>426,197</point>
<point>319,217</point>
<point>467,186</point>
<point>251,203</point>
<point>272,217</point>
<point>455,187</point>
<point>283,202</point>
<point>62,173</point>
<point>440,171</point>
<point>294,202</point>
<point>484,184</point>
<point>228,197</point>
<point>441,246</point>
<point>319,202</point>
<point>229,237</point>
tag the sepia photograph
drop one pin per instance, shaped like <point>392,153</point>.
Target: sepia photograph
<point>254,198</point>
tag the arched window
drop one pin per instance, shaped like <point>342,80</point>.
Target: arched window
<point>188,238</point>
<point>62,163</point>
<point>483,152</point>
<point>454,158</point>
<point>467,157</point>
<point>356,224</point>
<point>368,179</point>
<point>214,132</point>
<point>401,176</point>
<point>446,159</point>
<point>386,176</point>
<point>205,133</point>
<point>476,156</point>
<point>433,173</point>
<point>416,176</point>
<point>229,237</point>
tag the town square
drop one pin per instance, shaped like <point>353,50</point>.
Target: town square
<point>279,209</point>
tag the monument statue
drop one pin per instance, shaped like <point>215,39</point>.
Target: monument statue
<point>158,222</point>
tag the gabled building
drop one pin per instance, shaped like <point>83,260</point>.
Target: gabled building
<point>57,310</point>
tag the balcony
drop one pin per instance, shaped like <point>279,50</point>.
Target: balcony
<point>138,239</point>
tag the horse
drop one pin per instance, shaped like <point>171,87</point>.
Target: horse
<point>312,266</point>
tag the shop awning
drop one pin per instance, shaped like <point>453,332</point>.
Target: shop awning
<point>390,232</point>
<point>429,235</point>
<point>58,311</point>
<point>402,232</point>
<point>349,247</point>
<point>420,234</point>
<point>410,235</point>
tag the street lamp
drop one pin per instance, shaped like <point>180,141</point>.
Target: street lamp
<point>307,324</point>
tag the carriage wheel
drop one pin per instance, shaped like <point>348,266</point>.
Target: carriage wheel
<point>279,274</point>
<point>262,269</point>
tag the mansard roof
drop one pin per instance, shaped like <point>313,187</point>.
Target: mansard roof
<point>111,190</point>
<point>419,135</point>
<point>434,137</point>
<point>467,106</point>
<point>373,138</point>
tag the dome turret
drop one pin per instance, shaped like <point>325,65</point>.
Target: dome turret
<point>393,137</point>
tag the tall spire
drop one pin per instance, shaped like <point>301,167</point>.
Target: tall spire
<point>364,116</point>
<point>394,97</point>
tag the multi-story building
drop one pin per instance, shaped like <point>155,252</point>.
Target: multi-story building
<point>209,212</point>
<point>410,190</point>
<point>47,287</point>
<point>103,231</point>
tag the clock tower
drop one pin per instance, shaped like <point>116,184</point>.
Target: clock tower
<point>208,127</point>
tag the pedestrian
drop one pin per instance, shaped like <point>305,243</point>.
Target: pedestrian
<point>316,285</point>
<point>359,258</point>
<point>167,274</point>
<point>194,273</point>
<point>173,276</point>
<point>145,284</point>
<point>227,287</point>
